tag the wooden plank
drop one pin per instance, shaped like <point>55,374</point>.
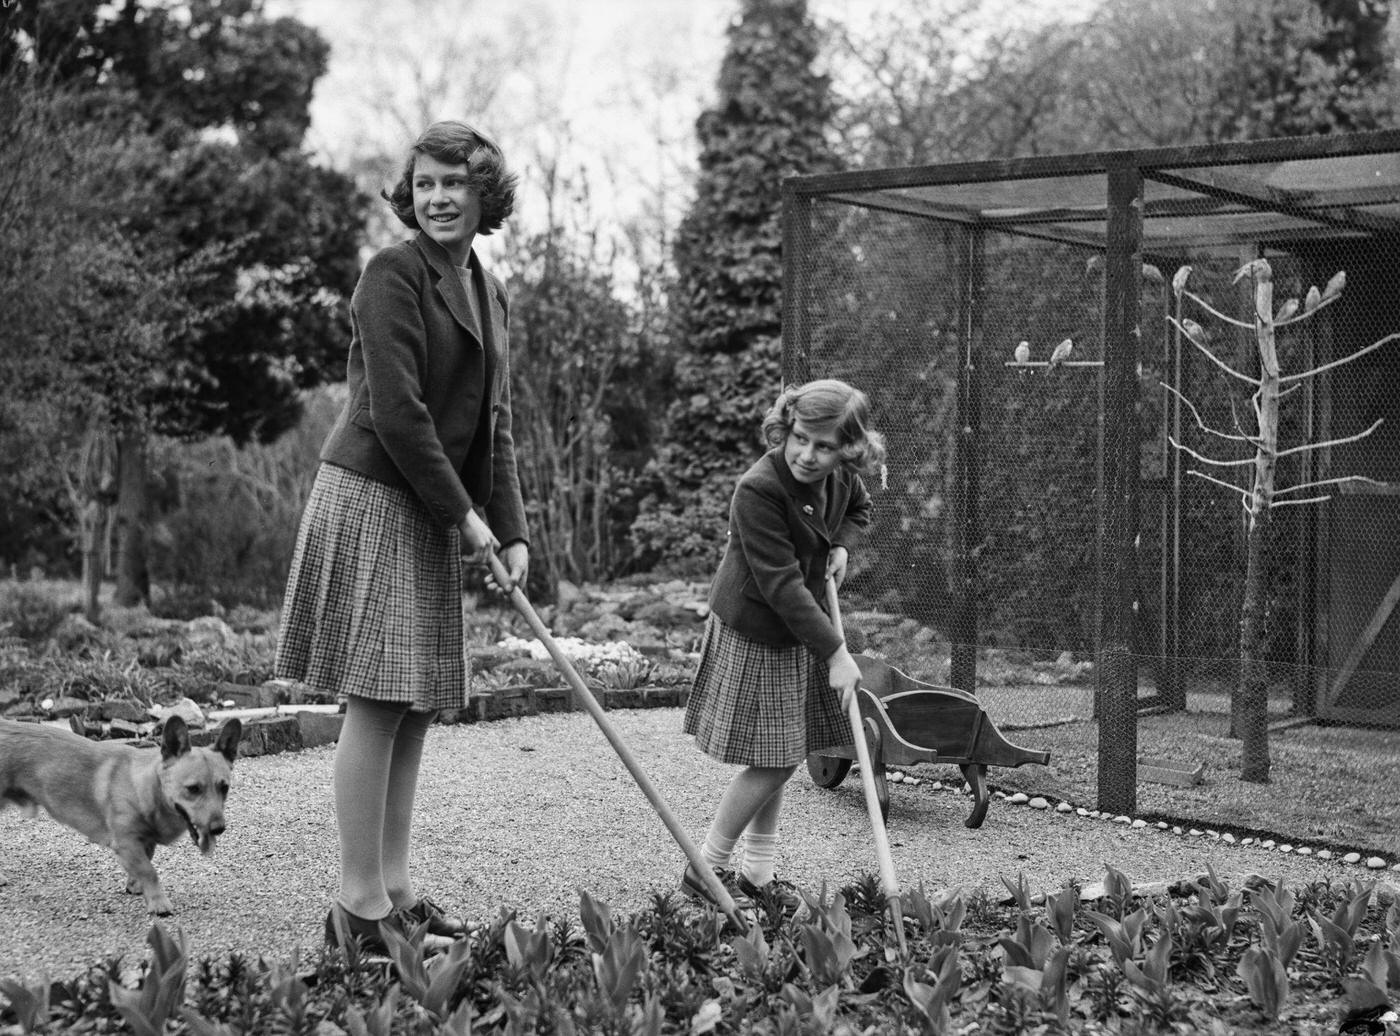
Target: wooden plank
<point>1367,639</point>
<point>1159,772</point>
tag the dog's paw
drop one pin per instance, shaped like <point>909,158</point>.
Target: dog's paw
<point>160,906</point>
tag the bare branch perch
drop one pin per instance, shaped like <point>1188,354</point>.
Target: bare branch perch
<point>1337,363</point>
<point>1244,493</point>
<point>1200,422</point>
<point>1327,482</point>
<point>1211,356</point>
<point>1332,442</point>
<point>1241,463</point>
<point>1216,313</point>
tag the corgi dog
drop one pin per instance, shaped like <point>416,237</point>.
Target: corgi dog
<point>126,798</point>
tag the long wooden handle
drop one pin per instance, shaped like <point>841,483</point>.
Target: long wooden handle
<point>867,783</point>
<point>584,697</point>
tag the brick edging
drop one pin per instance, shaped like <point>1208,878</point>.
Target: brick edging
<point>295,730</point>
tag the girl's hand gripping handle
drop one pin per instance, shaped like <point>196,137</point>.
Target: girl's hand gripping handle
<point>842,672</point>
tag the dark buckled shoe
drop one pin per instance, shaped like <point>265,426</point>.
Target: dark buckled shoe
<point>425,911</point>
<point>694,886</point>
<point>776,894</point>
<point>368,933</point>
<point>343,927</point>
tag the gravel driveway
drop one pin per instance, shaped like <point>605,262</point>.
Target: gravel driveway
<point>523,813</point>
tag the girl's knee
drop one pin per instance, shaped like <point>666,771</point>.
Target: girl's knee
<point>771,775</point>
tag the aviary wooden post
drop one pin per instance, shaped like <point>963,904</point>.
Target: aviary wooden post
<point>966,501</point>
<point>1117,665</point>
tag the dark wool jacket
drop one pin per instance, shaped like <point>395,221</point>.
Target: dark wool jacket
<point>429,406</point>
<point>770,583</point>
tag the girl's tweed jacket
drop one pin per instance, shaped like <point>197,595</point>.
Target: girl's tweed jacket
<point>429,406</point>
<point>771,577</point>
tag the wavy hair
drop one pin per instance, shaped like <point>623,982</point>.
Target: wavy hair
<point>456,143</point>
<point>829,403</point>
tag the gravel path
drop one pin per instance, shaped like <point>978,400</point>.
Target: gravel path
<point>523,813</point>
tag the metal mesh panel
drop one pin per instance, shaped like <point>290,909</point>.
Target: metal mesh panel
<point>988,550</point>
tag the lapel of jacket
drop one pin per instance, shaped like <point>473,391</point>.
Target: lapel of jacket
<point>493,327</point>
<point>449,285</point>
<point>804,498</point>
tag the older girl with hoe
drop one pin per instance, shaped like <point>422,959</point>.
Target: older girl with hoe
<point>774,674</point>
<point>373,609</point>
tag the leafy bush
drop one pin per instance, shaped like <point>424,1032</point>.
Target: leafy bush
<point>1123,962</point>
<point>230,514</point>
<point>32,610</point>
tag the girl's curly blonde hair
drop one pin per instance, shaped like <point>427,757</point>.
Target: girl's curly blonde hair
<point>829,403</point>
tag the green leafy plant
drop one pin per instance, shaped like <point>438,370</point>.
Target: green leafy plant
<point>1020,891</point>
<point>1118,892</point>
<point>1061,908</point>
<point>825,938</point>
<point>28,1003</point>
<point>378,1020</point>
<point>146,1008</point>
<point>1282,935</point>
<point>625,675</point>
<point>1265,978</point>
<point>1151,982</point>
<point>618,968</point>
<point>931,999</point>
<point>1124,937</point>
<point>1336,935</point>
<point>529,951</point>
<point>434,983</point>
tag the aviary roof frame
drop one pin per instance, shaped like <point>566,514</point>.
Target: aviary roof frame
<point>1281,191</point>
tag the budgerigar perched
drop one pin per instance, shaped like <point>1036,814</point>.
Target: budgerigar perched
<point>1023,352</point>
<point>1061,353</point>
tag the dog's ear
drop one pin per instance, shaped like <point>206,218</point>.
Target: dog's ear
<point>229,736</point>
<point>175,738</point>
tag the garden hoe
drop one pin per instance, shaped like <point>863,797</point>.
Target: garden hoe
<point>585,698</point>
<point>872,797</point>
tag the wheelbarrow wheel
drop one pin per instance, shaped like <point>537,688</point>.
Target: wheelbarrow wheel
<point>877,766</point>
<point>827,770</point>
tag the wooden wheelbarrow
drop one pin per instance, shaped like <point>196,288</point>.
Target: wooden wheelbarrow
<point>908,721</point>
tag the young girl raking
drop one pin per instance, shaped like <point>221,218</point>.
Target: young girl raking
<point>774,674</point>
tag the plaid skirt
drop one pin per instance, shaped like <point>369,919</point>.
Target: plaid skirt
<point>758,705</point>
<point>374,598</point>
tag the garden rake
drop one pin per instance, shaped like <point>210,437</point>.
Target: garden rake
<point>584,697</point>
<point>872,797</point>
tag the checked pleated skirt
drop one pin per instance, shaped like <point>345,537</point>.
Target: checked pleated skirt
<point>758,705</point>
<point>374,602</point>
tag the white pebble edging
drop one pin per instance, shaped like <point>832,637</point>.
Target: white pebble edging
<point>1268,844</point>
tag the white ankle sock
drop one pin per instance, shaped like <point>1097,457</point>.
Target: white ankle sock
<point>760,852</point>
<point>717,850</point>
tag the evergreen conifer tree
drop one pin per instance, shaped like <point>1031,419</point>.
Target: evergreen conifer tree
<point>769,122</point>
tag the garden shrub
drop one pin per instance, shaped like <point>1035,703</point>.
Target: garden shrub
<point>1204,957</point>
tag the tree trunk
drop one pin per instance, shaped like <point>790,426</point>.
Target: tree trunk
<point>91,526</point>
<point>1252,694</point>
<point>133,577</point>
<point>1251,711</point>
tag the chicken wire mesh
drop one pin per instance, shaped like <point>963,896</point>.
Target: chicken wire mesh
<point>944,294</point>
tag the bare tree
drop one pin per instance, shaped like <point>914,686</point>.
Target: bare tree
<point>1259,494</point>
<point>399,67</point>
